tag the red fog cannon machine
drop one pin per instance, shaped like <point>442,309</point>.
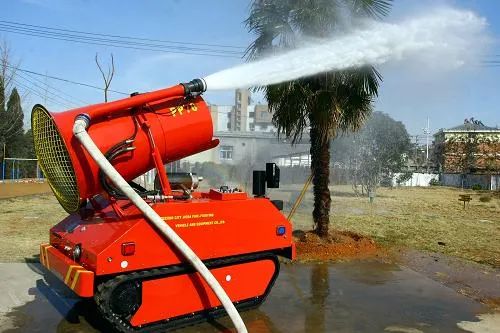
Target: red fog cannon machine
<point>155,259</point>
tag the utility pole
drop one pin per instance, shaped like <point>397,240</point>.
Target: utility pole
<point>3,163</point>
<point>427,131</point>
<point>415,158</point>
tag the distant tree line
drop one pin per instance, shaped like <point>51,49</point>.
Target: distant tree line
<point>14,140</point>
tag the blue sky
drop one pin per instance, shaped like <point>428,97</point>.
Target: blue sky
<point>408,93</point>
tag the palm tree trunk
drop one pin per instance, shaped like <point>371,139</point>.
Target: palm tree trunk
<point>320,168</point>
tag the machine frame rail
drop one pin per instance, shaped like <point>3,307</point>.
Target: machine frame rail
<point>104,292</point>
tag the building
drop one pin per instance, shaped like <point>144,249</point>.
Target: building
<point>237,148</point>
<point>238,117</point>
<point>220,117</point>
<point>262,119</point>
<point>469,154</point>
<point>245,131</point>
<point>247,117</point>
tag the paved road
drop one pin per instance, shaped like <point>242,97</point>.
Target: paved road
<point>348,297</point>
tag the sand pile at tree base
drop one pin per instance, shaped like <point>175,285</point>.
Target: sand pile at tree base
<point>338,245</point>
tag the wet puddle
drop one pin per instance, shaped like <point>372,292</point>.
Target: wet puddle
<point>365,296</point>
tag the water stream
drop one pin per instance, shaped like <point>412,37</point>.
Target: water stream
<point>443,38</point>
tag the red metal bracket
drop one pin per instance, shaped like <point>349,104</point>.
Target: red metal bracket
<point>155,153</point>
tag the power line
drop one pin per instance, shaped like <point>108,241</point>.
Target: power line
<point>48,86</point>
<point>118,46</point>
<point>66,101</point>
<point>127,44</point>
<point>119,41</point>
<point>123,37</point>
<point>37,93</point>
<point>66,80</point>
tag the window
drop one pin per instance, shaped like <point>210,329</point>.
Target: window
<point>226,152</point>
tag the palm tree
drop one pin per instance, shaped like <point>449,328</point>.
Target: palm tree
<point>327,104</point>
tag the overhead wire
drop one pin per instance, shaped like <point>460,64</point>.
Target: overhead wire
<point>107,40</point>
<point>491,63</point>
<point>124,37</point>
<point>50,87</point>
<point>120,46</point>
<point>37,93</point>
<point>66,80</point>
<point>45,91</point>
<point>89,38</point>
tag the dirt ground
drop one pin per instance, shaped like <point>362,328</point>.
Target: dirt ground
<point>10,189</point>
<point>430,219</point>
<point>341,245</point>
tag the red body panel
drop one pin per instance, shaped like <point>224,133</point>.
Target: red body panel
<point>183,294</point>
<point>180,127</point>
<point>212,228</point>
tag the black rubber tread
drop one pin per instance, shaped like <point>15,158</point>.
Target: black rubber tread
<point>121,324</point>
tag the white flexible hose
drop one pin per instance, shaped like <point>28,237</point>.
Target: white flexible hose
<point>79,130</point>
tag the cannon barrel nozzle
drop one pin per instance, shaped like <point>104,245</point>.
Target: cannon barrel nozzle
<point>194,87</point>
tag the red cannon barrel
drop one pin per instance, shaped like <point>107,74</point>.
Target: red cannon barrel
<point>179,122</point>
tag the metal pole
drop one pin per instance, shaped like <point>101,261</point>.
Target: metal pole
<point>13,169</point>
<point>3,163</point>
<point>427,131</point>
<point>416,153</point>
<point>299,198</point>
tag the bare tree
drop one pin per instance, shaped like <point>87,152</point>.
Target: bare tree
<point>107,77</point>
<point>7,68</point>
<point>11,113</point>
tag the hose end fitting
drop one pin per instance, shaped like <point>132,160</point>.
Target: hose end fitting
<point>194,87</point>
<point>83,117</point>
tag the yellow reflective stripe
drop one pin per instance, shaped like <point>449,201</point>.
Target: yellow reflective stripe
<point>46,255</point>
<point>42,256</point>
<point>75,279</point>
<point>68,273</point>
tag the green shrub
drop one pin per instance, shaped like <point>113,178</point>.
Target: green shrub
<point>404,177</point>
<point>476,187</point>
<point>485,198</point>
<point>434,182</point>
<point>386,181</point>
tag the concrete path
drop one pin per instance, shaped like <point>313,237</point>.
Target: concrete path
<point>347,297</point>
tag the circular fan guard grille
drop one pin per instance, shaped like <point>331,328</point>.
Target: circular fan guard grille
<point>54,159</point>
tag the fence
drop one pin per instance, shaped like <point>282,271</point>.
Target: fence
<point>417,179</point>
<point>16,169</point>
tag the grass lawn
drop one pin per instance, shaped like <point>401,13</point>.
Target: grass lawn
<point>24,224</point>
<point>421,218</point>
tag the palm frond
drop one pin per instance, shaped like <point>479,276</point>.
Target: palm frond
<point>332,102</point>
<point>371,8</point>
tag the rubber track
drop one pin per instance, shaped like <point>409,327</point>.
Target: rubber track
<point>105,290</point>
